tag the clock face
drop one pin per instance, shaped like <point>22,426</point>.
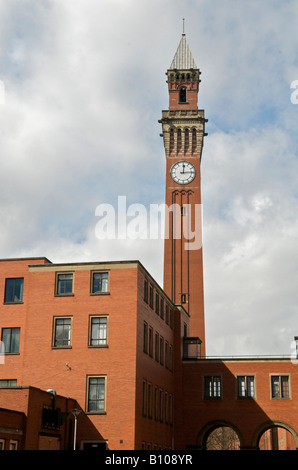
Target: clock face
<point>183,172</point>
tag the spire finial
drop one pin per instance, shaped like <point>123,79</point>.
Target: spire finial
<point>183,33</point>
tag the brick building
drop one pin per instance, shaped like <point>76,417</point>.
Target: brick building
<point>102,333</point>
<point>38,419</point>
<point>130,354</point>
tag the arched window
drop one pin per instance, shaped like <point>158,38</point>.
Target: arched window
<point>194,141</point>
<point>186,140</point>
<point>179,141</point>
<point>182,95</point>
<point>172,140</point>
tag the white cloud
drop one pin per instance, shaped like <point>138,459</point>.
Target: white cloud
<point>84,88</point>
<point>250,241</point>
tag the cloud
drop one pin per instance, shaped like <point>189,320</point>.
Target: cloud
<point>250,241</point>
<point>84,88</point>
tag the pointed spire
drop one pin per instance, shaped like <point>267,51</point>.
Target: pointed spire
<point>183,59</point>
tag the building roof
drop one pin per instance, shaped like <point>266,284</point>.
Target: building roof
<point>183,59</point>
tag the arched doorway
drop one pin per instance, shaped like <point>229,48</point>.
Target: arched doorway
<point>276,435</point>
<point>219,435</point>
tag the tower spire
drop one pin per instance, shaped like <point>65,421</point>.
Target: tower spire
<point>183,59</point>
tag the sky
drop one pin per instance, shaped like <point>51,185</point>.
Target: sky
<point>82,87</point>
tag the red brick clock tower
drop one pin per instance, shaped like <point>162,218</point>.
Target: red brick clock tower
<point>183,130</point>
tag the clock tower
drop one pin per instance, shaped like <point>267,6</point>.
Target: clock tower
<point>183,131</point>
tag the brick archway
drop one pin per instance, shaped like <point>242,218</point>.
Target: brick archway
<point>268,425</point>
<point>209,427</point>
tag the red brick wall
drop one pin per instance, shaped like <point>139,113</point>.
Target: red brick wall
<point>116,362</point>
<point>192,96</point>
<point>123,362</point>
<point>246,414</point>
<point>25,415</point>
<point>12,428</point>
<point>149,431</point>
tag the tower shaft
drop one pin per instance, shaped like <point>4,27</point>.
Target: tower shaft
<point>183,130</point>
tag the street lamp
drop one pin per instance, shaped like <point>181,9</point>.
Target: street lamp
<point>75,412</point>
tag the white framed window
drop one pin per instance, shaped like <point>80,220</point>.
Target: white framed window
<point>100,282</point>
<point>64,283</point>
<point>13,445</point>
<point>14,290</point>
<point>245,386</point>
<point>212,386</point>
<point>96,394</point>
<point>98,330</point>
<point>62,327</point>
<point>11,340</point>
<point>280,386</point>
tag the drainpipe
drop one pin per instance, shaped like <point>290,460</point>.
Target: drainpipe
<point>54,397</point>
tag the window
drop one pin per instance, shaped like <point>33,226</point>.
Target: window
<point>161,350</point>
<point>155,403</point>
<point>146,290</point>
<point>98,333</point>
<point>212,386</point>
<point>172,140</point>
<point>157,304</point>
<point>162,309</point>
<point>170,357</point>
<point>194,141</point>
<point>145,338</point>
<point>280,386</point>
<point>171,318</point>
<point>182,95</point>
<point>186,145</point>
<point>160,405</point>
<point>156,347</point>
<point>11,339</point>
<point>245,386</point>
<point>64,284</point>
<point>62,332</point>
<point>144,406</point>
<point>166,408</point>
<point>166,354</point>
<point>149,401</point>
<point>13,445</point>
<point>179,141</point>
<point>100,283</point>
<point>167,314</point>
<point>2,444</point>
<point>150,342</point>
<point>14,290</point>
<point>170,409</point>
<point>151,296</point>
<point>96,400</point>
<point>8,383</point>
